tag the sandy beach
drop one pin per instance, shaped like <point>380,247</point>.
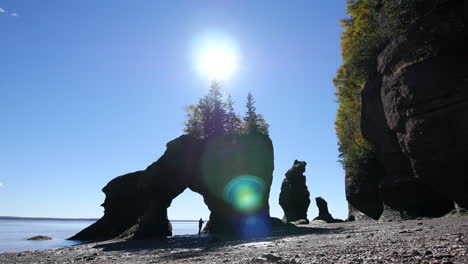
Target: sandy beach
<point>438,240</point>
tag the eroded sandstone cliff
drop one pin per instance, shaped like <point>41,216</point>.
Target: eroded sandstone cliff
<point>415,113</point>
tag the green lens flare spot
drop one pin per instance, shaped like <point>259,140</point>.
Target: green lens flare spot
<point>245,193</point>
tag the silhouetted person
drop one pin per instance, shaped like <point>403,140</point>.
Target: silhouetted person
<point>200,225</point>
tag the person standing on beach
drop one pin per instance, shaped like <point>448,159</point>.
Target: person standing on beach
<point>200,225</point>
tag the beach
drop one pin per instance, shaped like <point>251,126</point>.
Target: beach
<point>437,240</point>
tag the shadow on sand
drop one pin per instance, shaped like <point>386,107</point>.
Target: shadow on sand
<point>180,247</point>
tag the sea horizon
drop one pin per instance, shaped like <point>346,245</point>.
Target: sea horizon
<point>33,218</point>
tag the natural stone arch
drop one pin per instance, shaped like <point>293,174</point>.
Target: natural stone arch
<point>185,211</point>
<point>218,168</point>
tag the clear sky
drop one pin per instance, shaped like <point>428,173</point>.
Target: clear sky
<point>91,90</point>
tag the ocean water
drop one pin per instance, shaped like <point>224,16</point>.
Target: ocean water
<point>13,233</point>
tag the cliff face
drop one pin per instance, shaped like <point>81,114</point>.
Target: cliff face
<point>220,169</point>
<point>415,113</point>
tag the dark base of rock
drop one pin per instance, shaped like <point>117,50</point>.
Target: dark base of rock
<point>356,215</point>
<point>301,222</point>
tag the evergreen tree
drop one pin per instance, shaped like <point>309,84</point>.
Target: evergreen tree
<point>214,116</point>
<point>254,123</point>
<point>194,123</point>
<point>233,124</point>
<point>214,111</point>
<point>262,125</point>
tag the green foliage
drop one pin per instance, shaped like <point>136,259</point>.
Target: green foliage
<point>370,26</point>
<point>213,116</point>
<point>253,122</point>
<point>458,212</point>
<point>233,124</point>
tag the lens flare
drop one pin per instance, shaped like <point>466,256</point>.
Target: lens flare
<point>254,226</point>
<point>245,193</point>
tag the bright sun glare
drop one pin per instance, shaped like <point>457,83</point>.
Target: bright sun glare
<point>217,60</point>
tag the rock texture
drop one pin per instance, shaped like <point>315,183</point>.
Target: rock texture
<point>399,189</point>
<point>294,196</point>
<point>324,214</point>
<point>415,112</point>
<point>425,99</point>
<point>362,191</point>
<point>136,203</point>
<point>356,215</point>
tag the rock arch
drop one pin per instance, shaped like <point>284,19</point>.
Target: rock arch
<point>232,173</point>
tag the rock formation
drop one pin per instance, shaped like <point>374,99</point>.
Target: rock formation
<point>425,100</point>
<point>415,112</point>
<point>294,196</point>
<point>362,192</point>
<point>399,189</point>
<point>218,168</point>
<point>356,215</point>
<point>324,214</point>
<point>38,238</point>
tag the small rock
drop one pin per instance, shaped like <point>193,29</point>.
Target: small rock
<point>443,256</point>
<point>415,253</point>
<point>268,257</point>
<point>428,252</point>
<point>40,238</point>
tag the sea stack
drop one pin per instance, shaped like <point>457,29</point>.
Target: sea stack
<point>294,196</point>
<point>324,214</point>
<point>218,168</point>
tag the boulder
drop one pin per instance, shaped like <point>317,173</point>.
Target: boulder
<point>324,214</point>
<point>218,168</point>
<point>294,195</point>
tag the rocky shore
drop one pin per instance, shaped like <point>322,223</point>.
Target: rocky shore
<point>438,240</point>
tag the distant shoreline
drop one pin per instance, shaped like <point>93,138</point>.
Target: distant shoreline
<point>18,218</point>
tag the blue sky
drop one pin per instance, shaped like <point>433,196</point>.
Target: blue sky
<point>91,90</point>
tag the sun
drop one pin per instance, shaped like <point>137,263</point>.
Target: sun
<point>217,60</point>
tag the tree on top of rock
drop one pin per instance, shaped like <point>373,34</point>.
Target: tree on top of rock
<point>214,116</point>
<point>233,124</point>
<point>253,122</point>
<point>214,111</point>
<point>208,117</point>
